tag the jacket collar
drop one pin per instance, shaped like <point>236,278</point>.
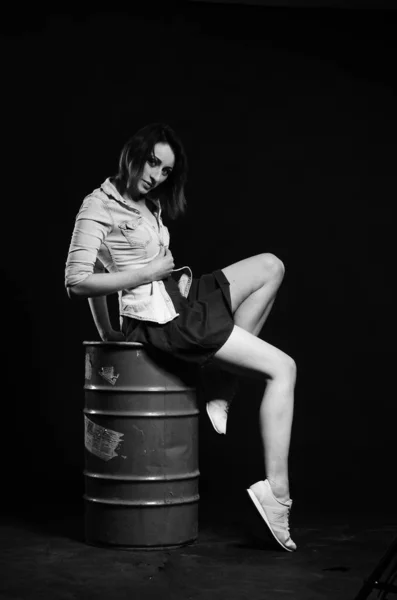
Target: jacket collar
<point>110,190</point>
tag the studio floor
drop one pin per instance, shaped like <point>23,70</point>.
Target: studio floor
<point>44,556</point>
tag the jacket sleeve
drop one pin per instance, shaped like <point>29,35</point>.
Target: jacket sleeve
<point>93,224</point>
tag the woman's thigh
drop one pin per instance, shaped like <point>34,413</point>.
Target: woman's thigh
<point>246,354</point>
<point>250,274</point>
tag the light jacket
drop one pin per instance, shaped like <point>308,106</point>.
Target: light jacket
<point>109,229</point>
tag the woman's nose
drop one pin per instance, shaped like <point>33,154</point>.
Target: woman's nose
<point>155,175</point>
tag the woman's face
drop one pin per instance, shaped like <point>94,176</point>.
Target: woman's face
<point>157,168</point>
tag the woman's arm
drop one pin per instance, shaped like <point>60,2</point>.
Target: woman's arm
<point>102,284</point>
<point>93,223</point>
<point>100,313</point>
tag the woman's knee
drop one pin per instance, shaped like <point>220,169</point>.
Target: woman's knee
<point>285,369</point>
<point>273,267</point>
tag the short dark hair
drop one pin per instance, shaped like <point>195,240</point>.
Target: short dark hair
<point>136,152</point>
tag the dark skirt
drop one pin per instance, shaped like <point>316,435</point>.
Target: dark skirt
<point>204,323</point>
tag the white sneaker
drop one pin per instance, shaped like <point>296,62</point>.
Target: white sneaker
<point>220,389</point>
<point>273,512</point>
<point>217,411</point>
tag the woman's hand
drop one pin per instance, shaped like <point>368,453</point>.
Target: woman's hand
<point>113,336</point>
<point>162,266</point>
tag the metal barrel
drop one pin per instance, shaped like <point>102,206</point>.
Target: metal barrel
<point>141,450</point>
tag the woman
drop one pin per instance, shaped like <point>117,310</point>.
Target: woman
<point>120,244</point>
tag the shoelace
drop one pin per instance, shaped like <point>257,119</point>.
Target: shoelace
<point>281,517</point>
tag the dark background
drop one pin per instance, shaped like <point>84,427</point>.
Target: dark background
<point>288,116</point>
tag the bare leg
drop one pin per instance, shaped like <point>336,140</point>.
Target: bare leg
<point>248,354</point>
<point>254,283</point>
<point>245,353</point>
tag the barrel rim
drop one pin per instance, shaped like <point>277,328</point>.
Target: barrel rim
<point>132,547</point>
<point>130,344</point>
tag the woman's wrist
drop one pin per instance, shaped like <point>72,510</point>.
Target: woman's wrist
<point>112,336</point>
<point>146,274</point>
<point>104,334</point>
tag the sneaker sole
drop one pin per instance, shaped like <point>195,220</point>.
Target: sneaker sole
<point>213,424</point>
<point>262,513</point>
